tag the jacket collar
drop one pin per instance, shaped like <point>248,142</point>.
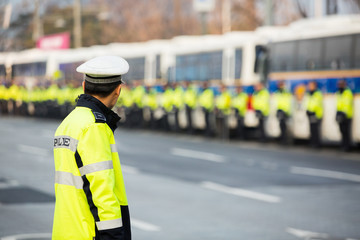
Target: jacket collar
<point>111,118</point>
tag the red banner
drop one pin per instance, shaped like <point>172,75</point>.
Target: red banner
<point>54,41</point>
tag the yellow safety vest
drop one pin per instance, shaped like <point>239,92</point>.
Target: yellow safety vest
<point>345,102</point>
<point>150,100</point>
<point>125,98</point>
<point>138,93</point>
<point>261,101</point>
<point>315,104</point>
<point>206,99</point>
<point>178,97</point>
<point>223,102</point>
<point>240,102</point>
<point>89,187</point>
<point>167,100</point>
<point>283,101</point>
<point>190,97</point>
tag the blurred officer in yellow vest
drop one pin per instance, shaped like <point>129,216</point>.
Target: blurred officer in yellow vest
<point>314,111</point>
<point>150,102</point>
<point>207,102</point>
<point>190,103</point>
<point>239,103</point>
<point>178,102</point>
<point>223,108</point>
<point>261,99</point>
<point>167,104</point>
<point>91,201</point>
<point>283,110</point>
<point>138,93</point>
<point>344,114</point>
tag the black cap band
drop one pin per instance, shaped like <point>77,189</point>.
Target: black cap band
<point>103,80</point>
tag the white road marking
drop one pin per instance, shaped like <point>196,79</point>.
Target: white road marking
<point>128,169</point>
<point>28,236</point>
<point>325,173</point>
<point>144,225</point>
<point>306,234</point>
<point>197,155</point>
<point>33,150</point>
<point>241,192</point>
<point>9,184</point>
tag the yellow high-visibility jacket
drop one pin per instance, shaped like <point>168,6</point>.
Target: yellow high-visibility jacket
<point>167,100</point>
<point>223,102</point>
<point>344,102</point>
<point>149,100</point>
<point>190,97</point>
<point>178,97</point>
<point>261,101</point>
<point>138,94</point>
<point>90,194</point>
<point>207,99</point>
<point>240,102</point>
<point>283,101</point>
<point>315,104</point>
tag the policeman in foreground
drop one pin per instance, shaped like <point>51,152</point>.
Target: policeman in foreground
<point>344,114</point>
<point>90,194</point>
<point>314,111</point>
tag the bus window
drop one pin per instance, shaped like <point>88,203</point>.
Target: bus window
<point>199,66</point>
<point>238,63</point>
<point>29,69</point>
<point>309,55</point>
<point>338,52</point>
<point>69,72</point>
<point>2,74</point>
<point>135,73</point>
<point>158,69</point>
<point>356,63</point>
<point>261,62</point>
<point>283,56</point>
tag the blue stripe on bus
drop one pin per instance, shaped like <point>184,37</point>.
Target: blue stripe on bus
<point>327,85</point>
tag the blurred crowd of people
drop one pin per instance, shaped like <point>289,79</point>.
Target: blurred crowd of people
<point>215,111</point>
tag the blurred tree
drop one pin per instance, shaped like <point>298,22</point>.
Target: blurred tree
<point>245,15</point>
<point>106,21</point>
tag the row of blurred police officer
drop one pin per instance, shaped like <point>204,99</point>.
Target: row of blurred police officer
<point>314,109</point>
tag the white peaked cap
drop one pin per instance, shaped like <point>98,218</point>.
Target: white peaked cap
<point>104,66</point>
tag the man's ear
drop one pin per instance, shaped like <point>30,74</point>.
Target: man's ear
<point>118,90</point>
<point>83,85</point>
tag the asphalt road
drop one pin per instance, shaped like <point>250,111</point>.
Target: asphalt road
<point>187,187</point>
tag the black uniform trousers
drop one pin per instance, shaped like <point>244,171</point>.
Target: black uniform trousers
<point>240,129</point>
<point>208,129</point>
<point>345,129</point>
<point>261,127</point>
<point>282,118</point>
<point>189,119</point>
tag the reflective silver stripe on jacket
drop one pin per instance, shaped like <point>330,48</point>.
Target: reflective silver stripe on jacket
<point>113,147</point>
<point>64,141</point>
<point>109,224</point>
<point>66,178</point>
<point>95,167</point>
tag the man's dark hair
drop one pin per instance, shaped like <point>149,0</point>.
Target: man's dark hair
<point>102,90</point>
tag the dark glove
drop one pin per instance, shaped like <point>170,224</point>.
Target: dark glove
<point>340,117</point>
